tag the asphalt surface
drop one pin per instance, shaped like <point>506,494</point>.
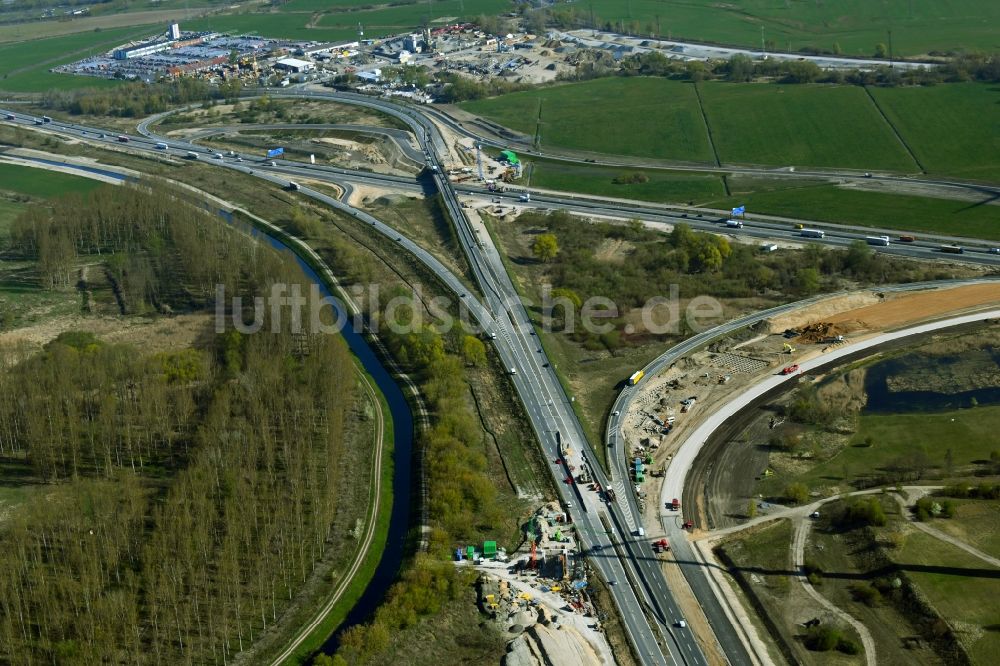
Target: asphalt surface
<point>640,587</point>
<point>546,404</point>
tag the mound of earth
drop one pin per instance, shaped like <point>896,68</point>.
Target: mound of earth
<point>390,200</point>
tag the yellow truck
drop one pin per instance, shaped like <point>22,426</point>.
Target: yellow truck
<point>634,379</point>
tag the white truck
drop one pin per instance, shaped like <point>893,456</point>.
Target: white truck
<point>734,224</point>
<point>525,197</point>
<point>161,146</point>
<point>877,240</point>
<point>812,233</point>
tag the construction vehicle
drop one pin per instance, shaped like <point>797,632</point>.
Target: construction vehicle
<point>636,377</point>
<point>787,349</point>
<point>790,369</point>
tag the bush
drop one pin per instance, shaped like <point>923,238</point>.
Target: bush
<point>862,513</point>
<point>824,639</point>
<point>797,493</point>
<point>865,594</point>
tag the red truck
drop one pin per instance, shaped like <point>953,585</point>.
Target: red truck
<point>661,546</point>
<point>790,369</point>
<point>675,505</point>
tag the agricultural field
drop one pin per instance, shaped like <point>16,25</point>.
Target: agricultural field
<point>952,129</point>
<point>948,128</point>
<point>795,125</point>
<point>831,203</point>
<point>661,118</point>
<point>25,69</point>
<point>659,185</point>
<point>19,32</point>
<point>851,27</point>
<point>328,21</point>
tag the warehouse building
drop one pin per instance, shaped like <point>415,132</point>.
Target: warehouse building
<point>294,65</point>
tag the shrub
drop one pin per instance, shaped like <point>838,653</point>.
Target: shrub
<point>865,594</point>
<point>797,493</point>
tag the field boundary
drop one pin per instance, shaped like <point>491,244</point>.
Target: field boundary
<point>895,131</point>
<point>708,129</point>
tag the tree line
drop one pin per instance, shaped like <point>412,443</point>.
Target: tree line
<point>188,495</point>
<point>137,99</point>
<point>743,68</point>
<point>160,252</point>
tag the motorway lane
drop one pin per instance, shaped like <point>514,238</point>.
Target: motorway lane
<point>512,347</point>
<point>504,300</point>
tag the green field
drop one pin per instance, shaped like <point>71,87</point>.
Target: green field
<point>663,186</point>
<point>37,183</point>
<point>962,588</point>
<point>855,26</point>
<point>661,118</point>
<point>969,433</point>
<point>815,125</point>
<point>976,522</point>
<point>321,20</point>
<point>952,129</point>
<point>830,203</point>
<point>24,67</point>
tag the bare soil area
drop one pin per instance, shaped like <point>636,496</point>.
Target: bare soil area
<point>901,309</point>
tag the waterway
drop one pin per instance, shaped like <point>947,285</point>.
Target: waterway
<point>402,420</point>
<point>881,400</point>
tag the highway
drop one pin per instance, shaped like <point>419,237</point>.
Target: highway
<point>546,404</point>
<point>639,587</point>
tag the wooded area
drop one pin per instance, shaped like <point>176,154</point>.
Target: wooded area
<point>188,495</point>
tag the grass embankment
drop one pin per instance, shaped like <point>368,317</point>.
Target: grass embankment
<point>976,522</point>
<point>851,27</point>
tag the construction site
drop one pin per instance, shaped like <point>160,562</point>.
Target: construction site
<point>540,595</point>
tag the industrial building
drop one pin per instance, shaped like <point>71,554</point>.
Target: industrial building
<point>294,65</point>
<point>141,50</point>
